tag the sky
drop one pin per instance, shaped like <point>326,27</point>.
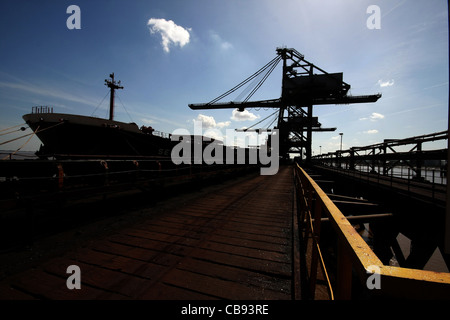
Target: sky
<point>170,53</point>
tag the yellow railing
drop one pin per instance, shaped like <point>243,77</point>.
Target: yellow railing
<point>353,253</point>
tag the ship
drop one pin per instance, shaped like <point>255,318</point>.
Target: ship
<point>71,136</point>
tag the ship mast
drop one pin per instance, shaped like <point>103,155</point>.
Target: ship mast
<point>113,85</point>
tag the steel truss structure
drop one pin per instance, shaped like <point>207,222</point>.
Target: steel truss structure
<point>303,86</point>
<point>386,155</point>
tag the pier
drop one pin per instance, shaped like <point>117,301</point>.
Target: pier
<point>247,237</point>
<point>230,242</point>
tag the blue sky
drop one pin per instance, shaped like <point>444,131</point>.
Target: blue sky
<point>212,45</point>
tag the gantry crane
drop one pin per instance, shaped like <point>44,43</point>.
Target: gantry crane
<point>303,86</point>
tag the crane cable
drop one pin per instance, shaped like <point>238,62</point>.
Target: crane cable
<point>262,80</point>
<point>271,64</point>
<point>260,121</point>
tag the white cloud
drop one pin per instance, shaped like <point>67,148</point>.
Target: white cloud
<point>148,121</point>
<point>376,116</point>
<point>373,131</point>
<point>209,122</point>
<point>388,83</point>
<point>48,92</point>
<point>214,133</point>
<point>243,116</point>
<point>170,32</point>
<point>373,117</point>
<point>225,45</point>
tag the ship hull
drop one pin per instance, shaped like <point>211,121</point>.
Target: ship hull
<point>74,136</point>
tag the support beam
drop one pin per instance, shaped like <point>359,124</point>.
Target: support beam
<point>363,217</point>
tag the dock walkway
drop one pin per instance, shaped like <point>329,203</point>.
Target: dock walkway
<point>232,243</point>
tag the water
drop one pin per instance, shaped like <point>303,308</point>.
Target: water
<point>431,174</point>
<point>21,155</point>
<point>436,262</point>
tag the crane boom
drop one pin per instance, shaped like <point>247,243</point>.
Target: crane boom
<point>274,103</point>
<point>278,103</point>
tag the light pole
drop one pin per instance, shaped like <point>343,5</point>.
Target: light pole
<point>341,134</point>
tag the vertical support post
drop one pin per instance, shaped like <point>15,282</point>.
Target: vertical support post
<point>315,252</point>
<point>113,86</point>
<point>340,152</point>
<point>409,179</point>
<point>447,216</point>
<point>60,176</point>
<point>344,273</point>
<point>111,103</point>
<point>373,161</point>
<point>419,161</point>
<point>385,169</point>
<point>309,134</point>
<point>447,213</point>
<point>106,172</point>
<point>302,198</point>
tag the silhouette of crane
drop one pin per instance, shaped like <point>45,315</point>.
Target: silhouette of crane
<point>303,86</point>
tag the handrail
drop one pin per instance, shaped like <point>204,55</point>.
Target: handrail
<point>304,198</point>
<point>355,254</point>
<point>318,252</point>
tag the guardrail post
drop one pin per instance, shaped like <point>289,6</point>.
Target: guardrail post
<point>60,176</point>
<point>419,161</point>
<point>300,198</point>
<point>315,234</point>
<point>352,159</point>
<point>344,272</point>
<point>104,164</point>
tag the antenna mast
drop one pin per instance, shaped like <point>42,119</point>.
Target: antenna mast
<point>113,85</point>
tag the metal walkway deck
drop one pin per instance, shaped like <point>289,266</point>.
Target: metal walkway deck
<point>232,243</point>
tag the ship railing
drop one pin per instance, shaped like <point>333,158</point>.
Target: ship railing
<point>161,134</point>
<point>353,254</point>
<point>42,109</point>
